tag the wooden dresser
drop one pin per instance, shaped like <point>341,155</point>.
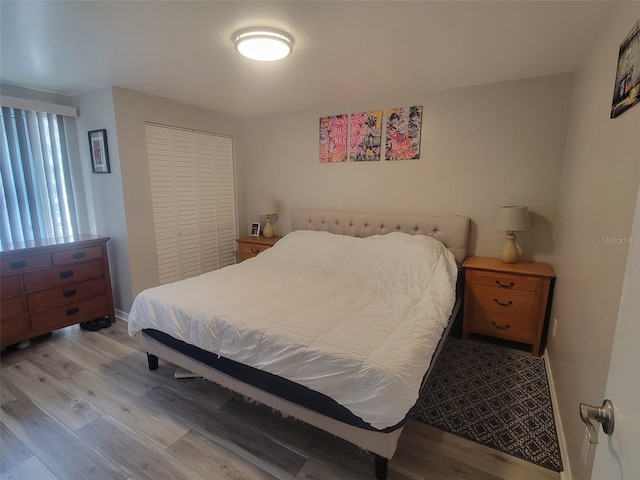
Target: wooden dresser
<point>51,284</point>
<point>507,301</point>
<point>249,247</point>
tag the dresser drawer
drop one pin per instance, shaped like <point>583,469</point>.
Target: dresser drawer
<point>10,286</point>
<point>14,330</point>
<point>24,264</point>
<point>498,300</point>
<point>508,327</point>
<point>77,312</point>
<point>53,297</point>
<point>504,281</point>
<point>63,275</point>
<point>77,255</point>
<point>12,306</point>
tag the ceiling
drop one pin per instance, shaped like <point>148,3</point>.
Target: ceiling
<point>344,51</point>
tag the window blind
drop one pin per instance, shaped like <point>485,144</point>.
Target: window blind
<point>35,185</point>
<point>192,190</point>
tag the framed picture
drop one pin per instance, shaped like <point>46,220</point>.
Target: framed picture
<point>99,151</point>
<point>626,92</point>
<point>255,229</point>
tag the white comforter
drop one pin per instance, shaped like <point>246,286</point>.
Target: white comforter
<point>355,319</point>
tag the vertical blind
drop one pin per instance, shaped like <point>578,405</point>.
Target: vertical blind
<point>37,196</point>
<point>192,192</point>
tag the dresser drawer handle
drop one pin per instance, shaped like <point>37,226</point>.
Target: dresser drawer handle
<point>501,327</point>
<point>72,311</point>
<point>255,251</point>
<point>503,304</point>
<point>17,265</point>
<point>67,274</point>
<point>78,255</point>
<point>69,293</point>
<point>505,285</point>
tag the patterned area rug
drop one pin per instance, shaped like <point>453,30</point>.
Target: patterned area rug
<point>493,397</point>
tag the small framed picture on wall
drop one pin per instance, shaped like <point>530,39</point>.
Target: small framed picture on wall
<point>255,229</point>
<point>99,151</point>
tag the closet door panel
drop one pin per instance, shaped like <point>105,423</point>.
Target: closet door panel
<point>193,201</point>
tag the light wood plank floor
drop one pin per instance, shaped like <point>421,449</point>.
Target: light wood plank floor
<point>83,405</point>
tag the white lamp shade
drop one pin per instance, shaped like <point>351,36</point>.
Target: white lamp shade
<point>513,219</point>
<point>269,207</point>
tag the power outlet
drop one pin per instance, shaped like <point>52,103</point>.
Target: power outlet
<point>555,325</point>
<point>586,447</point>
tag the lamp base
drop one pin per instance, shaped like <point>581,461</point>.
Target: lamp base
<point>510,252</point>
<point>268,231</point>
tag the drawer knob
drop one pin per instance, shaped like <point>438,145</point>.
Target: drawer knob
<point>17,265</point>
<point>505,285</point>
<point>502,304</point>
<point>72,311</point>
<point>501,327</point>
<point>255,251</point>
<point>69,293</point>
<point>78,255</point>
<point>67,274</point>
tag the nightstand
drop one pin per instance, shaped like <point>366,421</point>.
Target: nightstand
<point>507,301</point>
<point>249,247</point>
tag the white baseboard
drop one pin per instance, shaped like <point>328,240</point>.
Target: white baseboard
<point>566,473</point>
<point>120,315</point>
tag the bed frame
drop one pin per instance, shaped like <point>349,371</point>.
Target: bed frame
<point>452,231</point>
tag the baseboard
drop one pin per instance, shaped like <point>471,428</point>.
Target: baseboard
<point>120,315</point>
<point>566,473</point>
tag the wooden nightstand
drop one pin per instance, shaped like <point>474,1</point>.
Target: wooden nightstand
<point>507,301</point>
<point>249,247</point>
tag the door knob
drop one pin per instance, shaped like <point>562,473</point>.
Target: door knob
<point>603,415</point>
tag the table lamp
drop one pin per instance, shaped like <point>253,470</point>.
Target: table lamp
<point>269,207</point>
<point>512,219</point>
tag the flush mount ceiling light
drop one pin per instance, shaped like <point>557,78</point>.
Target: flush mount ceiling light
<point>262,43</point>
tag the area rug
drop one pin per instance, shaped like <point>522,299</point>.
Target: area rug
<point>494,397</point>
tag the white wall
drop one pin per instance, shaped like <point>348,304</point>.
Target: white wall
<point>104,194</point>
<point>597,200</point>
<point>482,147</point>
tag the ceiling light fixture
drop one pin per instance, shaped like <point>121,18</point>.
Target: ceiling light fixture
<point>262,43</point>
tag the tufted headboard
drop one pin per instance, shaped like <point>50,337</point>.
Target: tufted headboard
<point>451,230</point>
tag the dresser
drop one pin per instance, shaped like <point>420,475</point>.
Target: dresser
<point>249,247</point>
<point>507,301</point>
<point>51,284</point>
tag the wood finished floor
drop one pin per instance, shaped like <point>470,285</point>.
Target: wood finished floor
<point>83,405</point>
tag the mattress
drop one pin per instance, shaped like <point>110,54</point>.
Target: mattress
<point>355,319</point>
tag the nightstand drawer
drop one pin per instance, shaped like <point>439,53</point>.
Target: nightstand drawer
<point>500,301</point>
<point>505,281</point>
<point>251,249</point>
<point>509,327</point>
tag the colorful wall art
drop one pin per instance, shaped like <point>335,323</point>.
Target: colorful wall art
<point>365,139</point>
<point>403,130</point>
<point>358,137</point>
<point>333,139</point>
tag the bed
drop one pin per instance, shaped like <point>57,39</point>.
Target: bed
<point>337,325</point>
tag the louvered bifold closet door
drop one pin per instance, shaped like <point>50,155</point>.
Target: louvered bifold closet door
<point>194,210</point>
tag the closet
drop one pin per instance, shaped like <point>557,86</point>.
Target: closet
<point>194,209</point>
